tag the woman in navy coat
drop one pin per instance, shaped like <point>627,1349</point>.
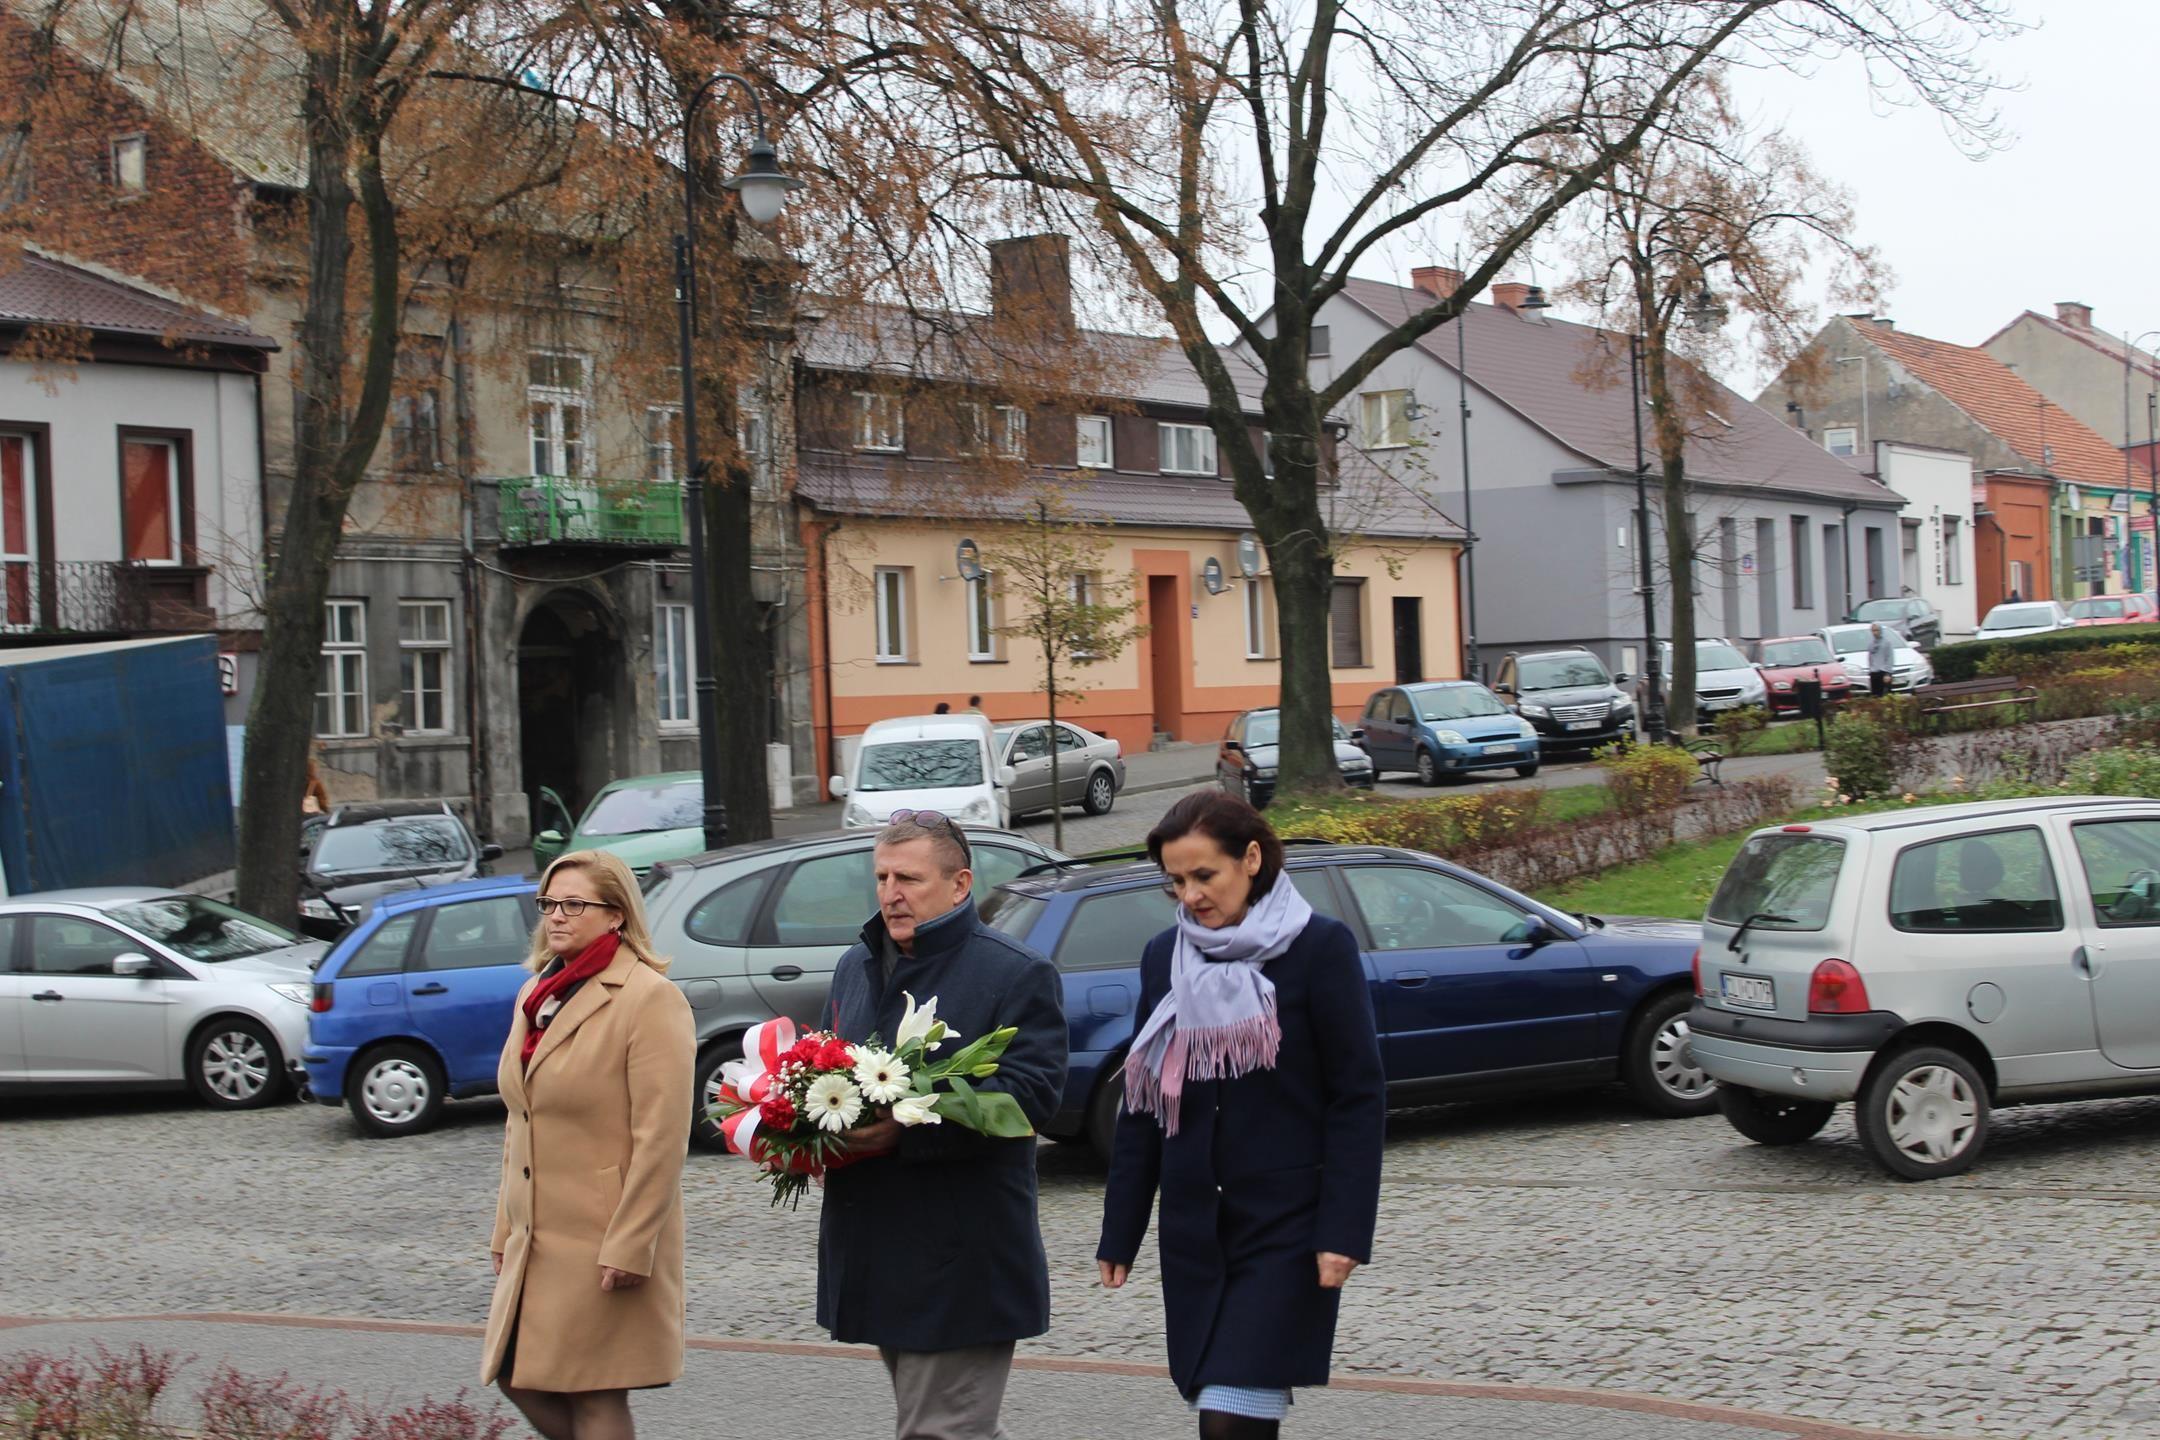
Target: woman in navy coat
<point>1255,1105</point>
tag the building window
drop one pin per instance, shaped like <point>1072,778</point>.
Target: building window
<point>1385,418</point>
<point>2021,577</point>
<point>18,529</point>
<point>14,168</point>
<point>341,698</point>
<point>1012,423</point>
<point>1259,631</point>
<point>1803,577</point>
<point>754,434</point>
<point>890,589</point>
<point>130,164</point>
<point>972,422</point>
<point>1086,591</point>
<point>878,423</point>
<point>1346,624</point>
<point>424,665</point>
<point>1842,441</point>
<point>1871,556</point>
<point>1953,563</point>
<point>555,392</point>
<point>150,501</point>
<point>1095,450</point>
<point>1186,449</point>
<point>416,405</point>
<point>674,669</point>
<point>663,442</point>
<point>982,618</point>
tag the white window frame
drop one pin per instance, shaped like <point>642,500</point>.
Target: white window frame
<point>1202,462</point>
<point>15,173</point>
<point>973,427</point>
<point>1011,431</point>
<point>889,595</point>
<point>1846,435</point>
<point>662,424</point>
<point>1953,566</point>
<point>125,147</point>
<point>344,659</point>
<point>413,655</point>
<point>1258,633</point>
<point>556,399</point>
<point>1106,452</point>
<point>880,422</point>
<point>982,637</point>
<point>1085,589</point>
<point>674,667</point>
<point>1384,419</point>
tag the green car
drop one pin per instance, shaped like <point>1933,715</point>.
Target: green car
<point>645,819</point>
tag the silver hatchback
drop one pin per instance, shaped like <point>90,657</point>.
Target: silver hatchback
<point>134,988</point>
<point>1930,965</point>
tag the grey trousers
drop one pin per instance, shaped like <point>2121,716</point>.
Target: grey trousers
<point>948,1394</point>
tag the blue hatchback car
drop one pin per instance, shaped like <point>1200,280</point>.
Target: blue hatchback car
<point>1478,991</point>
<point>410,1008</point>
<point>1446,727</point>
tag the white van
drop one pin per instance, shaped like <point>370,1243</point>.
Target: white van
<point>945,763</point>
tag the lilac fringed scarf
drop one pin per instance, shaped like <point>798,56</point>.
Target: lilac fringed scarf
<point>1218,1021</point>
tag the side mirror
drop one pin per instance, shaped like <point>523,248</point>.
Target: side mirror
<point>838,786</point>
<point>1232,745</point>
<point>491,852</point>
<point>1357,734</point>
<point>140,967</point>
<point>549,840</point>
<point>1503,689</point>
<point>1623,678</point>
<point>1007,777</point>
<point>1536,933</point>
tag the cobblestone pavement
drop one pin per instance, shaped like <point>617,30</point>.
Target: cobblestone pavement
<point>1566,1241</point>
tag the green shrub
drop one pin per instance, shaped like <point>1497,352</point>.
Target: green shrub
<point>1859,755</point>
<point>2117,770</point>
<point>1739,730</point>
<point>1647,777</point>
<point>1970,658</point>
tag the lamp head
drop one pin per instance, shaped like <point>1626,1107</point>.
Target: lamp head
<point>763,186</point>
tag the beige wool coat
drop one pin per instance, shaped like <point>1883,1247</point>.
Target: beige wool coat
<point>592,1176</point>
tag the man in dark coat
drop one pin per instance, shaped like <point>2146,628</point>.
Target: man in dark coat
<point>929,1247</point>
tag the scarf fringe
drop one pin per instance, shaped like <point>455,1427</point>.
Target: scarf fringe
<point>1222,1052</point>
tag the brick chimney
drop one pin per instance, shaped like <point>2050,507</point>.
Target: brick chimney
<point>1437,281</point>
<point>1031,281</point>
<point>1510,295</point>
<point>2076,315</point>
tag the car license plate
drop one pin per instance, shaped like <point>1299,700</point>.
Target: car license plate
<point>1505,747</point>
<point>1754,991</point>
<point>1719,704</point>
<point>1582,724</point>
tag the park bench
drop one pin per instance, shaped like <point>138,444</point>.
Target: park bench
<point>1978,694</point>
<point>1708,757</point>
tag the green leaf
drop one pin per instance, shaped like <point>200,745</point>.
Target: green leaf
<point>998,1114</point>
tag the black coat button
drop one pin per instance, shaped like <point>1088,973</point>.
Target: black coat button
<point>528,1172</point>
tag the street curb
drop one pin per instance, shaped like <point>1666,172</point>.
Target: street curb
<point>1794,1426</point>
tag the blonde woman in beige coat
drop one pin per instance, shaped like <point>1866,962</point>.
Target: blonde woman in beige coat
<point>588,1240</point>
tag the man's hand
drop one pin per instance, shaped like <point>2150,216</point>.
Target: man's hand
<point>497,1254</point>
<point>879,1137</point>
<point>613,1279</point>
<point>1113,1276</point>
<point>1334,1269</point>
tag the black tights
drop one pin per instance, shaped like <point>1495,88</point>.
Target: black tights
<point>1217,1425</point>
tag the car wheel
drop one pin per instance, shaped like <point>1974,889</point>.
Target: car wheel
<point>705,1090</point>
<point>1659,1067</point>
<point>1772,1119</point>
<point>1103,1111</point>
<point>396,1090</point>
<point>1526,771</point>
<point>1101,794</point>
<point>234,1064</point>
<point>1428,769</point>
<point>1923,1113</point>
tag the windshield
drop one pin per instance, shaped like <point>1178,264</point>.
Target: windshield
<point>2097,609</point>
<point>1789,876</point>
<point>1848,639</point>
<point>1458,702</point>
<point>1711,655</point>
<point>1881,610</point>
<point>1796,652</point>
<point>1562,671</point>
<point>1264,727</point>
<point>2018,617</point>
<point>920,765</point>
<point>425,842</point>
<point>639,809</point>
<point>201,929</point>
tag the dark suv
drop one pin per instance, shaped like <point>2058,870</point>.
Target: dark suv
<point>361,851</point>
<point>1568,696</point>
<point>1915,619</point>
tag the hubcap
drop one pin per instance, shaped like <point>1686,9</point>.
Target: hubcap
<point>395,1092</point>
<point>1933,1114</point>
<point>1101,787</point>
<point>236,1065</point>
<point>1425,768</point>
<point>1672,1061</point>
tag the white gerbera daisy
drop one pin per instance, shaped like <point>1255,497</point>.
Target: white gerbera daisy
<point>833,1102</point>
<point>883,1079</point>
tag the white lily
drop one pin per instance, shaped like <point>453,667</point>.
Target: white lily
<point>920,1024</point>
<point>917,1110</point>
<point>881,1078</point>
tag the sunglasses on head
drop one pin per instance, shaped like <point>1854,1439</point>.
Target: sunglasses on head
<point>931,820</point>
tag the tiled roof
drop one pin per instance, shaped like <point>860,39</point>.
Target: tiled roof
<point>1541,367</point>
<point>1999,400</point>
<point>38,290</point>
<point>2112,346</point>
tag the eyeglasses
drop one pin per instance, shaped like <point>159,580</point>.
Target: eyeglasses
<point>931,820</point>
<point>571,909</point>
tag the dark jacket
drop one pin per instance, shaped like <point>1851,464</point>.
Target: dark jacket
<point>1266,1171</point>
<point>936,1246</point>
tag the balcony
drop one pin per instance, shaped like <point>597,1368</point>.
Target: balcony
<point>103,597</point>
<point>613,514</point>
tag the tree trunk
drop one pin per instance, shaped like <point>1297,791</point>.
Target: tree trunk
<point>741,657</point>
<point>1057,785</point>
<point>1285,510</point>
<point>1679,540</point>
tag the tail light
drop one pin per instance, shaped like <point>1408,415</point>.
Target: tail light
<point>320,1003</point>
<point>1695,965</point>
<point>1836,989</point>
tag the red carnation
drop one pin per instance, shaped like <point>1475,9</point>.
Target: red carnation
<point>778,1112</point>
<point>836,1055</point>
<point>804,1053</point>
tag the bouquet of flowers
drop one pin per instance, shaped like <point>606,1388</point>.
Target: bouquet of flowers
<point>785,1104</point>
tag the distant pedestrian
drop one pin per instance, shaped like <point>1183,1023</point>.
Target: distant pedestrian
<point>1881,658</point>
<point>2015,598</point>
<point>316,799</point>
<point>588,1240</point>
<point>975,705</point>
<point>1255,1106</point>
<point>944,707</point>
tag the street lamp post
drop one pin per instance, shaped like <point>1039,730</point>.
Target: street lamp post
<point>763,189</point>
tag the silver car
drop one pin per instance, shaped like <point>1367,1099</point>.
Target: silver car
<point>133,988</point>
<point>1091,767</point>
<point>1850,643</point>
<point>755,930</point>
<point>1929,965</point>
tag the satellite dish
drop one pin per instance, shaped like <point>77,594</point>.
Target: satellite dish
<point>969,560</point>
<point>1211,575</point>
<point>1248,555</point>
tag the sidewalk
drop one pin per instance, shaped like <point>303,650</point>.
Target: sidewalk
<point>746,1389</point>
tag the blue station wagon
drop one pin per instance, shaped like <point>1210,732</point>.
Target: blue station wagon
<point>1478,991</point>
<point>1446,728</point>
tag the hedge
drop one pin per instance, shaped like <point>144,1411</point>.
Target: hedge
<point>1964,660</point>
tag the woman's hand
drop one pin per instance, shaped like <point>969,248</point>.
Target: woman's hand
<point>496,1256</point>
<point>1113,1276</point>
<point>1334,1269</point>
<point>613,1279</point>
<point>877,1137</point>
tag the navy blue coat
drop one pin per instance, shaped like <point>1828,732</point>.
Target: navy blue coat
<point>1266,1171</point>
<point>937,1246</point>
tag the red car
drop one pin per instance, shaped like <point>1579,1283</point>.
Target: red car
<point>2114,610</point>
<point>1786,660</point>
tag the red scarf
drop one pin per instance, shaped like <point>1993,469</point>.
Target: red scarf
<point>595,958</point>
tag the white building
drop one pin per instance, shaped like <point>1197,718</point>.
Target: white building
<point>1937,533</point>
